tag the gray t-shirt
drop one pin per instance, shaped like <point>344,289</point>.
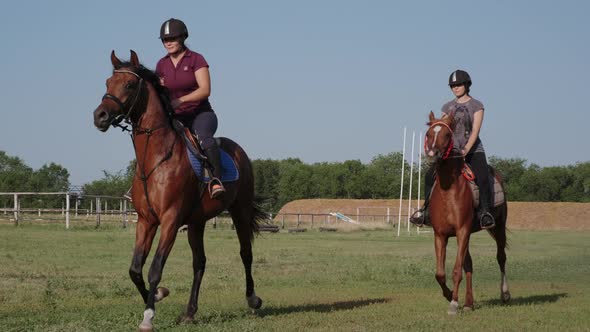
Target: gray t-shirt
<point>463,113</point>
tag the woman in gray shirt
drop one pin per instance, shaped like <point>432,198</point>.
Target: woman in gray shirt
<point>468,113</point>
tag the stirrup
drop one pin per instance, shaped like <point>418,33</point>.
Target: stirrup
<point>488,225</point>
<point>216,188</point>
<point>418,218</point>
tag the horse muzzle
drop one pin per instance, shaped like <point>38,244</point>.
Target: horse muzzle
<point>102,119</point>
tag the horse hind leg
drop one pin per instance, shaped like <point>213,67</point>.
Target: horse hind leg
<point>195,239</point>
<point>243,217</point>
<point>499,234</point>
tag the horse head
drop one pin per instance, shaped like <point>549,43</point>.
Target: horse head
<point>438,142</point>
<point>124,89</point>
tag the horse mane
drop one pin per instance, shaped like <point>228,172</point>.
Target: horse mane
<point>154,80</point>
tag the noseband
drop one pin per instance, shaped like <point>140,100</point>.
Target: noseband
<point>450,147</point>
<point>116,120</point>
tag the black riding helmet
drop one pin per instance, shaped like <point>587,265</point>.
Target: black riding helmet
<point>173,28</point>
<point>460,77</point>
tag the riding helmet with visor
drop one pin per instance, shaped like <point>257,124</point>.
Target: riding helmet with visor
<point>459,77</point>
<point>173,28</point>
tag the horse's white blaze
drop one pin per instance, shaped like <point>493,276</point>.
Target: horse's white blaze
<point>436,131</point>
<point>148,316</point>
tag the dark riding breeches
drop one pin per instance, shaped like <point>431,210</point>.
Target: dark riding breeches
<point>479,166</point>
<point>205,126</point>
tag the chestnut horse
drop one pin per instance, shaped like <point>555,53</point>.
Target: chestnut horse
<point>166,192</point>
<point>452,213</point>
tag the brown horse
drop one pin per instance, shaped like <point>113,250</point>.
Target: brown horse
<point>452,213</point>
<point>166,192</point>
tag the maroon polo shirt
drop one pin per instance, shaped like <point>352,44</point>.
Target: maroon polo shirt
<point>180,81</point>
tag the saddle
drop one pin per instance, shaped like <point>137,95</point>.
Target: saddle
<point>497,191</point>
<point>199,161</point>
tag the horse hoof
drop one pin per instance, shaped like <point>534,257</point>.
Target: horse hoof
<point>145,328</point>
<point>506,297</point>
<point>254,302</point>
<point>161,293</point>
<point>467,309</point>
<point>146,325</point>
<point>453,308</point>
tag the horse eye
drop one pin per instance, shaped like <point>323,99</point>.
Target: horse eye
<point>129,86</point>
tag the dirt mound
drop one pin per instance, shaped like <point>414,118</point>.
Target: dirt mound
<point>521,215</point>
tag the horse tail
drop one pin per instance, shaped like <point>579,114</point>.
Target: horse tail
<point>258,216</point>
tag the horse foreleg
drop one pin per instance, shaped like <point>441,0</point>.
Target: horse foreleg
<point>167,238</point>
<point>243,221</point>
<point>462,247</point>
<point>195,239</point>
<point>468,268</point>
<point>440,246</point>
<point>143,242</point>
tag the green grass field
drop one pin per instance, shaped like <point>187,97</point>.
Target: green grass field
<point>77,280</point>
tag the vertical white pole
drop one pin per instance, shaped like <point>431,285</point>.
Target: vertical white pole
<point>401,187</point>
<point>357,214</point>
<point>77,203</point>
<point>388,216</point>
<point>67,210</point>
<point>419,175</point>
<point>16,208</point>
<point>411,176</point>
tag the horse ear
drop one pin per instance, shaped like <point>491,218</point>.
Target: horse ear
<point>114,60</point>
<point>430,118</point>
<point>134,59</point>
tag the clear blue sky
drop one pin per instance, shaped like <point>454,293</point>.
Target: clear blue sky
<point>317,80</point>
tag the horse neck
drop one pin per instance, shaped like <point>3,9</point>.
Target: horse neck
<point>153,115</point>
<point>449,171</point>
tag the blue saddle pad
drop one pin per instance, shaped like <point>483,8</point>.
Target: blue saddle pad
<point>228,166</point>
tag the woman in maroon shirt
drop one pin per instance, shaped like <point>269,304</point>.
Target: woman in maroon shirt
<point>186,75</point>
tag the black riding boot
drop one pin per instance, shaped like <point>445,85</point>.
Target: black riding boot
<point>482,178</point>
<point>422,217</point>
<point>216,188</point>
<point>486,219</point>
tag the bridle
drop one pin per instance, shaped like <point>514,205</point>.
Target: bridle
<point>115,122</point>
<point>450,146</point>
<point>138,130</point>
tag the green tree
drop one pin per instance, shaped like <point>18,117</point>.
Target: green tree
<point>14,174</point>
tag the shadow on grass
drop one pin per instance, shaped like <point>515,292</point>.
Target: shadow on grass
<point>319,307</point>
<point>529,300</point>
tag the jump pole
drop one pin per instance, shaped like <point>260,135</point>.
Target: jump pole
<point>411,176</point>
<point>419,174</point>
<point>401,187</point>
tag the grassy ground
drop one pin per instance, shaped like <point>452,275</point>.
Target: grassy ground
<point>57,280</point>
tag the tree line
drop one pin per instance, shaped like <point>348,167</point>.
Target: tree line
<point>280,181</point>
